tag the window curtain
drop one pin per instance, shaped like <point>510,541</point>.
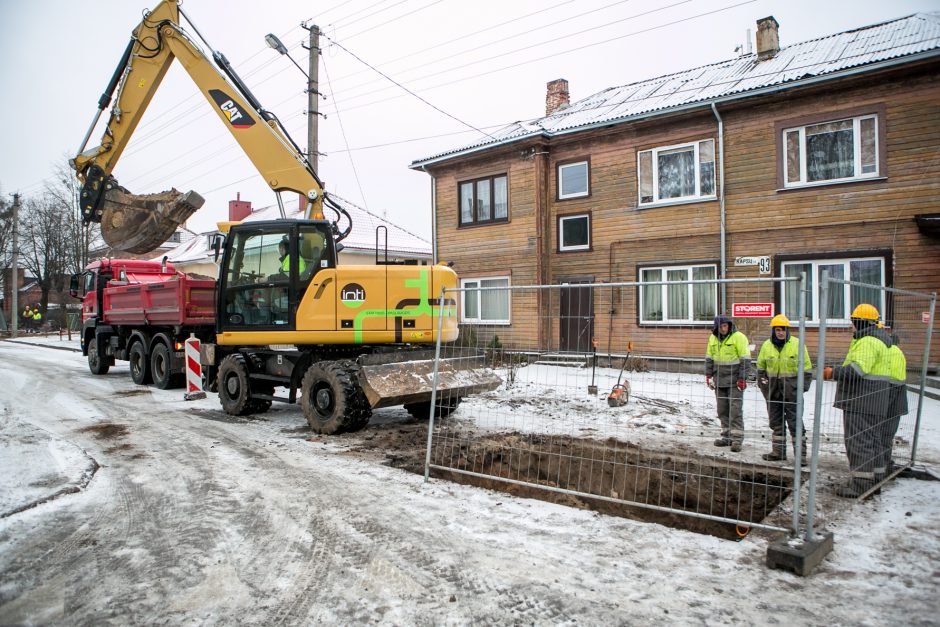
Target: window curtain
<point>652,296</point>
<point>704,295</point>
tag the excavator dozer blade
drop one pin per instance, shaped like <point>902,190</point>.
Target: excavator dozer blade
<point>412,380</point>
<point>139,223</point>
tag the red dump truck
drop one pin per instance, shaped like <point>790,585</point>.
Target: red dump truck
<point>142,312</point>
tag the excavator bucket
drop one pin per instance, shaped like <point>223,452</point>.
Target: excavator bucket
<point>139,223</point>
<point>387,380</point>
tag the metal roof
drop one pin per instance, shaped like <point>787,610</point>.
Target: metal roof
<point>862,49</point>
<point>362,238</point>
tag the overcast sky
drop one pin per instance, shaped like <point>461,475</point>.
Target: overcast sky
<point>484,63</point>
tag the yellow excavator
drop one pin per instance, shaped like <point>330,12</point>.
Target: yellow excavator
<point>343,340</point>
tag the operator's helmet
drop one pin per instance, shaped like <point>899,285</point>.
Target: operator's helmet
<point>283,245</point>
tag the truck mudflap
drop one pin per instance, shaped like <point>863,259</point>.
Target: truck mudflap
<point>400,378</point>
<point>139,223</point>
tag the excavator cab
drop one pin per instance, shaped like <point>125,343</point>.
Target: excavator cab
<point>266,269</point>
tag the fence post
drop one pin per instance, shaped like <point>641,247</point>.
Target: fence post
<point>798,433</point>
<point>437,361</point>
<point>923,376</point>
<point>817,411</point>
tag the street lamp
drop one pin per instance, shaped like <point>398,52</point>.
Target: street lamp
<point>276,44</point>
<point>312,87</point>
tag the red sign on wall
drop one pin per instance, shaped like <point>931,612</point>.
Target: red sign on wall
<point>752,310</point>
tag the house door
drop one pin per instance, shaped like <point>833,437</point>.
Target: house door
<point>576,316</point>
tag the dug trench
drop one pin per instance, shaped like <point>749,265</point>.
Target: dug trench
<point>677,480</point>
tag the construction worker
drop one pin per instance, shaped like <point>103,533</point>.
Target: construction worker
<point>777,367</point>
<point>282,248</point>
<point>727,358</point>
<point>862,394</point>
<point>37,319</point>
<point>897,406</point>
<point>27,317</point>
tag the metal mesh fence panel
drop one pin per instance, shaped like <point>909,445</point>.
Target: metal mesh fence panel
<point>603,396</point>
<point>876,341</point>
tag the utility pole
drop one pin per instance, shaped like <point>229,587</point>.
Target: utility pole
<point>313,95</point>
<point>15,308</point>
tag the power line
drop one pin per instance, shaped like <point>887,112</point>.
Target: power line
<point>514,36</point>
<point>549,42</point>
<point>555,54</point>
<point>394,19</point>
<point>362,194</point>
<point>435,107</point>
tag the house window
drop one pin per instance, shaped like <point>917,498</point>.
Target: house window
<point>485,306</point>
<point>841,150</point>
<point>844,298</point>
<point>484,200</point>
<point>677,173</point>
<point>573,180</point>
<point>689,303</point>
<point>574,232</point>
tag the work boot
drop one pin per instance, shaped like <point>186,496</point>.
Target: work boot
<point>722,442</point>
<point>735,447</point>
<point>773,456</point>
<point>855,488</point>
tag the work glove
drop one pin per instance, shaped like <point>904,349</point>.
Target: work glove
<point>827,373</point>
<point>807,383</point>
<point>742,384</point>
<point>764,381</point>
<point>709,382</point>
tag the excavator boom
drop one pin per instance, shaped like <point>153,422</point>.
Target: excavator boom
<point>139,224</point>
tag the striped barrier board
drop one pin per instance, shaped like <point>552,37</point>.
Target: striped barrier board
<point>193,369</point>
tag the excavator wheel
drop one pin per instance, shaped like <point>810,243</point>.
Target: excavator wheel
<point>444,408</point>
<point>331,398</point>
<point>234,390</point>
<point>140,364</point>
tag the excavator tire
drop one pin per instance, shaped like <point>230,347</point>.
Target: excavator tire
<point>234,389</point>
<point>96,363</point>
<point>443,409</point>
<point>331,398</point>
<point>140,364</point>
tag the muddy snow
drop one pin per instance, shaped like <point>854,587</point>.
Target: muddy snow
<point>122,504</point>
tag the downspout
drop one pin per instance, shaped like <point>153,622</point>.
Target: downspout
<point>433,216</point>
<point>721,203</point>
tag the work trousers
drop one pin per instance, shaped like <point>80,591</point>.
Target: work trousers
<point>730,412</point>
<point>782,416</point>
<point>864,444</point>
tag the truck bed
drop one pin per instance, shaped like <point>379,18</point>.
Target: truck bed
<point>178,300</point>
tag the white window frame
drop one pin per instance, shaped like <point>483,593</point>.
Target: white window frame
<point>847,294</point>
<point>654,164</point>
<point>664,297</point>
<point>857,156</point>
<point>472,289</point>
<point>561,232</point>
<point>587,180</point>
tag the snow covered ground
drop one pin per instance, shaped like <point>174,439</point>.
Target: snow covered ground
<point>151,509</point>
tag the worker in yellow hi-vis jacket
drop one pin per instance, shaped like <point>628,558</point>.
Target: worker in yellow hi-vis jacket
<point>778,365</point>
<point>727,358</point>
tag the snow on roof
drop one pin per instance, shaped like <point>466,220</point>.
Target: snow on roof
<point>196,247</point>
<point>362,237</point>
<point>917,34</point>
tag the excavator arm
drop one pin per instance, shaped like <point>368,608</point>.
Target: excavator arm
<point>139,224</point>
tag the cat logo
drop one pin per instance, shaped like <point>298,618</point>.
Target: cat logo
<point>235,115</point>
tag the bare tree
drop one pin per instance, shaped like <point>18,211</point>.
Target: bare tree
<point>81,237</point>
<point>6,230</point>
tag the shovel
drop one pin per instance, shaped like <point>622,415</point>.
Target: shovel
<point>620,393</point>
<point>592,389</point>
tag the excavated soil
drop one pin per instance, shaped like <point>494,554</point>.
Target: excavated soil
<point>611,468</point>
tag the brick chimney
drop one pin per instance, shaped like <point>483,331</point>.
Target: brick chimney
<point>238,209</point>
<point>768,38</point>
<point>556,97</point>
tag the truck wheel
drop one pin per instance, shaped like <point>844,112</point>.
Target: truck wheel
<point>140,365</point>
<point>160,368</point>
<point>96,363</point>
<point>332,400</point>
<point>422,411</point>
<point>234,391</point>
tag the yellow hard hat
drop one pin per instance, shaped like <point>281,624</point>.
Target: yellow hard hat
<point>865,312</point>
<point>780,320</point>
